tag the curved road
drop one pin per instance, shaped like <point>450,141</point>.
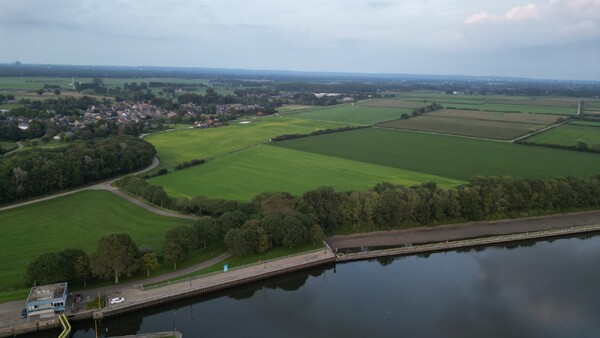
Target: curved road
<point>107,185</point>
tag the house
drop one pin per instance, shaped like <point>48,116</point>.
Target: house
<point>46,300</point>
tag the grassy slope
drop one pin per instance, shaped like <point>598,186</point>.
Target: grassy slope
<point>448,156</point>
<point>177,146</point>
<point>567,135</point>
<point>242,175</point>
<point>73,221</point>
<point>346,113</point>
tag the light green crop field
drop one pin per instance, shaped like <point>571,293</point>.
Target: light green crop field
<point>553,106</point>
<point>468,127</point>
<point>293,107</point>
<point>568,134</point>
<point>72,221</point>
<point>242,175</point>
<point>174,147</point>
<point>448,156</point>
<point>347,113</point>
<point>392,103</point>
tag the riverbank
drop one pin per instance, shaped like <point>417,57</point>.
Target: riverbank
<point>451,232</point>
<point>436,239</point>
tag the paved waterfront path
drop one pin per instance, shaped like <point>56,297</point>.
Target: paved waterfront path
<point>463,230</point>
<point>138,297</point>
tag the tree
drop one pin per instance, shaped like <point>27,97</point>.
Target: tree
<point>316,234</point>
<point>184,235</point>
<point>149,262</point>
<point>116,254</point>
<point>173,253</point>
<point>82,269</point>
<point>293,231</point>
<point>208,231</point>
<point>56,91</point>
<point>39,91</point>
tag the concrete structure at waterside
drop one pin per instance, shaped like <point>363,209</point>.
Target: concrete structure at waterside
<point>46,300</point>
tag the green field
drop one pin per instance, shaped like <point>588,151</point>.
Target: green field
<point>536,105</point>
<point>468,127</point>
<point>585,123</point>
<point>242,175</point>
<point>174,147</point>
<point>72,221</point>
<point>568,134</point>
<point>352,114</point>
<point>448,156</point>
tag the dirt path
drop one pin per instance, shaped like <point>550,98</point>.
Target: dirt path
<point>463,230</point>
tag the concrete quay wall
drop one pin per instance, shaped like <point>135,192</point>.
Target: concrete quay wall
<point>465,243</point>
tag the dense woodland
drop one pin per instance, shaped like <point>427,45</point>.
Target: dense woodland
<point>39,172</point>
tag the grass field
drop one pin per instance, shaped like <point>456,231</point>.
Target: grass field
<point>448,156</point>
<point>461,126</point>
<point>350,114</point>
<point>72,221</point>
<point>536,105</point>
<point>174,147</point>
<point>496,116</point>
<point>242,175</point>
<point>568,134</point>
<point>8,146</point>
<point>392,103</point>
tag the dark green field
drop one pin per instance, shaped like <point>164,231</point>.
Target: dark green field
<point>448,156</point>
<point>72,221</point>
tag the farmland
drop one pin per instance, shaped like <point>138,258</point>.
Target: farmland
<point>242,175</point>
<point>73,221</point>
<point>536,105</point>
<point>448,156</point>
<point>351,114</point>
<point>491,125</point>
<point>183,145</point>
<point>568,134</point>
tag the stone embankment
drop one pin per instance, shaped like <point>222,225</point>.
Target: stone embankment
<point>465,243</point>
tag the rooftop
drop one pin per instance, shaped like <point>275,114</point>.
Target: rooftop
<point>44,292</point>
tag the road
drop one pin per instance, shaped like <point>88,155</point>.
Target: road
<point>107,185</point>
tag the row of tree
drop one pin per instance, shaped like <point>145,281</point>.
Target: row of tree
<point>116,255</point>
<point>316,132</point>
<point>38,172</point>
<point>388,206</point>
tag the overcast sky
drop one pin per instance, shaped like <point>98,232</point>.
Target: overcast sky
<point>552,39</point>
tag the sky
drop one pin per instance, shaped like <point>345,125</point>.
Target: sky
<point>545,39</point>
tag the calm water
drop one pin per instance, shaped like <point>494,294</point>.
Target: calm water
<point>539,289</point>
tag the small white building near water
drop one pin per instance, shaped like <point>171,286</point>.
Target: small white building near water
<point>47,299</point>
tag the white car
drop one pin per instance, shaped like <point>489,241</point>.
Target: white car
<point>117,300</point>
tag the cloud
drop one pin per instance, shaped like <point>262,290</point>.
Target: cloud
<point>522,13</point>
<point>517,13</point>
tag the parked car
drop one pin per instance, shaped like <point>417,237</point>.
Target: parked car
<point>117,300</point>
<point>24,313</point>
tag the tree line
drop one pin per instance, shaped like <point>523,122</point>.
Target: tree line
<point>387,206</point>
<point>42,171</point>
<point>316,132</point>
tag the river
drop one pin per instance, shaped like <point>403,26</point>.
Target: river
<point>548,288</point>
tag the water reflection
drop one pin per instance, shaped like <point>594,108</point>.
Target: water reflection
<point>531,289</point>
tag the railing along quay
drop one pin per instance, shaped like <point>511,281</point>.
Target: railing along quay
<point>442,246</point>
